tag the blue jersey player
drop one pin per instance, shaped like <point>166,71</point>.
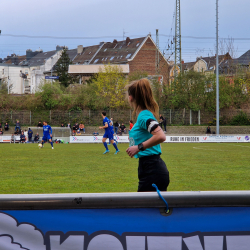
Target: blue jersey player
<point>107,134</point>
<point>47,131</point>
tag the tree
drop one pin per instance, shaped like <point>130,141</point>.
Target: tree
<point>49,94</point>
<point>110,86</point>
<point>62,67</point>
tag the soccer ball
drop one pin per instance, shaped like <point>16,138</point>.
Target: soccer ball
<point>40,145</point>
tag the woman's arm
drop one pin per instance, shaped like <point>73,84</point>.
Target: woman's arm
<point>157,138</point>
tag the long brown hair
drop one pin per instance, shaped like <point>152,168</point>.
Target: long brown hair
<point>143,98</point>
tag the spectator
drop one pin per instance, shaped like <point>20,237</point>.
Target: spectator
<point>6,126</point>
<point>1,131</point>
<point>22,137</point>
<point>111,121</point>
<point>30,133</point>
<point>165,125</point>
<point>74,129</point>
<point>36,139</point>
<point>208,131</point>
<point>81,127</point>
<point>26,134</point>
<point>62,125</point>
<point>78,132</point>
<point>117,125</point>
<point>0,125</point>
<point>40,125</point>
<point>13,138</point>
<point>95,133</point>
<point>131,124</point>
<point>77,126</point>
<point>17,132</point>
<point>119,132</point>
<point>123,128</point>
<point>18,125</point>
<point>69,126</point>
<point>163,122</point>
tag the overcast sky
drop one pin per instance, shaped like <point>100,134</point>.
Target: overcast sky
<point>93,21</point>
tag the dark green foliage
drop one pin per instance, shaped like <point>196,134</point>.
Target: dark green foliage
<point>136,75</point>
<point>49,95</point>
<point>197,91</point>
<point>191,90</point>
<point>240,119</point>
<point>61,69</point>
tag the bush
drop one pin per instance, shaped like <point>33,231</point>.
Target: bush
<point>240,119</point>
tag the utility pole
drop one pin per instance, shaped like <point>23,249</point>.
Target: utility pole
<point>177,37</point>
<point>157,57</point>
<point>217,74</point>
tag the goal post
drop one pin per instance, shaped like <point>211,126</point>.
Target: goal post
<point>59,133</point>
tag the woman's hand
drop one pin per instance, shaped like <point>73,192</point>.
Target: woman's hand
<point>131,151</point>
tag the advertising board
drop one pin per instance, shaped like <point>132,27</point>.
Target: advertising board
<point>126,221</point>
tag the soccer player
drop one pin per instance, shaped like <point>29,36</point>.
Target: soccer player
<point>108,134</point>
<point>47,131</point>
<point>112,131</point>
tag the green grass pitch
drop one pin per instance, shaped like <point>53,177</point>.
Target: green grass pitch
<point>82,168</point>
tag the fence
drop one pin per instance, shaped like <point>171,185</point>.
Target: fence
<point>93,117</point>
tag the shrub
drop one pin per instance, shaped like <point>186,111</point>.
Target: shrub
<point>240,119</point>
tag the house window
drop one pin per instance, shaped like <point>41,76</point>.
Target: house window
<point>137,44</point>
<point>111,58</point>
<point>105,50</point>
<point>26,83</point>
<point>128,55</point>
<point>96,60</point>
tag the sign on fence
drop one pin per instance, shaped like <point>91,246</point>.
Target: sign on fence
<point>174,138</point>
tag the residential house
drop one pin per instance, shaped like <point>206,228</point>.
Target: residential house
<point>11,73</point>
<point>206,65</point>
<point>26,75</point>
<point>138,54</point>
<point>232,66</point>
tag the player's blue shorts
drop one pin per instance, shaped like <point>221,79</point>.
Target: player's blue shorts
<point>108,135</point>
<point>46,137</point>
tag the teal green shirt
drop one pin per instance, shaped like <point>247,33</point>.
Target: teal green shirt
<point>140,133</point>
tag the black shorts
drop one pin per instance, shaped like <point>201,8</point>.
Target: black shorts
<point>152,170</point>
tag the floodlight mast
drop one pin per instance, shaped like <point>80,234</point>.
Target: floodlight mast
<point>177,38</point>
<point>217,75</point>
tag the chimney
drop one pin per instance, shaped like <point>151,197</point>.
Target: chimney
<point>101,43</point>
<point>30,54</point>
<point>79,49</point>
<point>128,41</point>
<point>58,48</point>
